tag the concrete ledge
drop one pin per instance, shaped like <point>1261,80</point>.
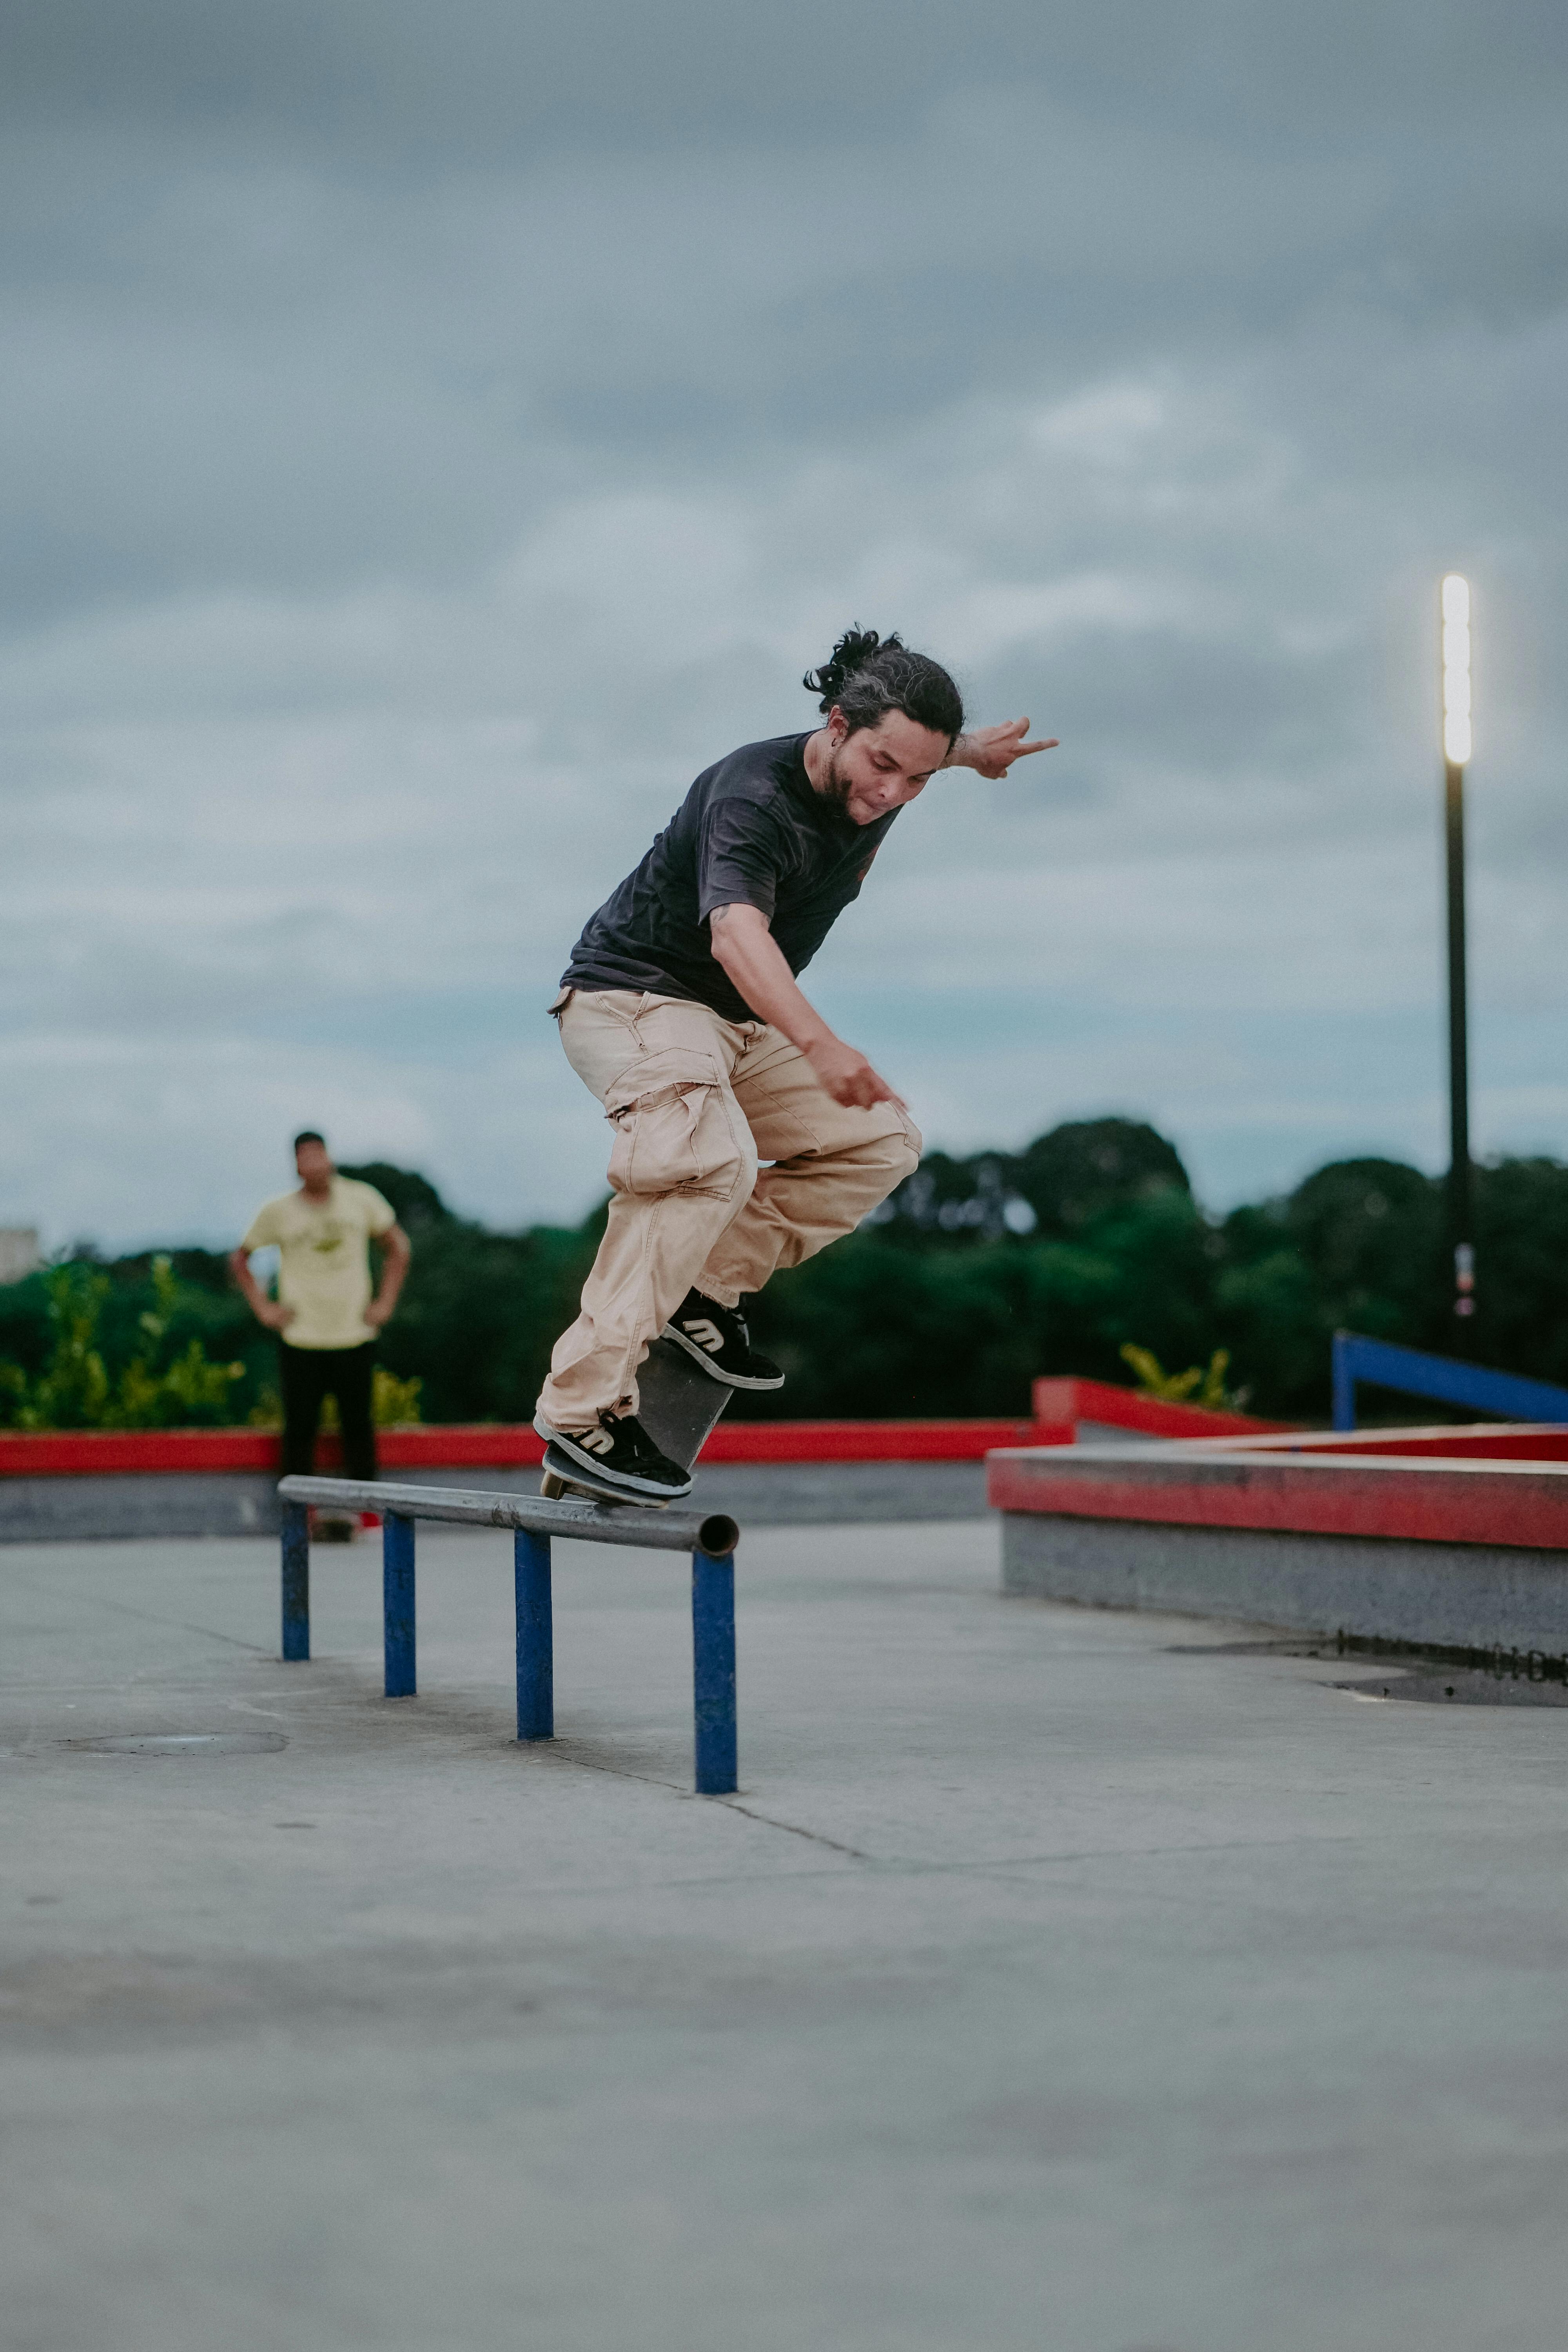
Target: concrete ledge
<point>237,1503</point>
<point>485,1445</point>
<point>1473,1596</point>
<point>107,1484</point>
<point>827,1493</point>
<point>156,1503</point>
<point>1501,1504</point>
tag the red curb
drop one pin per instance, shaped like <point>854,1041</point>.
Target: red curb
<point>68,1453</point>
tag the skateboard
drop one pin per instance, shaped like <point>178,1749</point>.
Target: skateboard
<point>678,1404</point>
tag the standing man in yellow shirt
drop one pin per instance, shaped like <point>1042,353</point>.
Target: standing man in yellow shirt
<point>324,1316</point>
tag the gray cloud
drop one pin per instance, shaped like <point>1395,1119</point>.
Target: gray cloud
<point>394,78</point>
<point>437,433</point>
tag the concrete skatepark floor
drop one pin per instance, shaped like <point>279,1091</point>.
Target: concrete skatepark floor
<point>1046,1985</point>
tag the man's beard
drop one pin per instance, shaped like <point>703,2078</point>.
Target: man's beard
<point>836,787</point>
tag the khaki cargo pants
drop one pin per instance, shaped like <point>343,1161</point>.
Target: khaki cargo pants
<point>695,1103</point>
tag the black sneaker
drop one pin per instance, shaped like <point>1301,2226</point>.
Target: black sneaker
<point>716,1338</point>
<point>618,1453</point>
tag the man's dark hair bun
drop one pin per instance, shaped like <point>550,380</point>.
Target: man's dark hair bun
<point>853,651</point>
<point>866,676</point>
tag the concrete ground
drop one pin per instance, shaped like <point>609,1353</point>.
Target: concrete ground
<point>1048,1985</point>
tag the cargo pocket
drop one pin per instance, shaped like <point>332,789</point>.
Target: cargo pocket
<point>674,1128</point>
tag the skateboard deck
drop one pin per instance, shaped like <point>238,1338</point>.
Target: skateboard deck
<point>678,1404</point>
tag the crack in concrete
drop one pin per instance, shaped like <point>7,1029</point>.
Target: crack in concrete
<point>553,1751</point>
<point>794,1830</point>
<point>559,1751</point>
<point>152,1617</point>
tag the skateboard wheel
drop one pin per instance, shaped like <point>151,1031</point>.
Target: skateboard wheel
<point>551,1488</point>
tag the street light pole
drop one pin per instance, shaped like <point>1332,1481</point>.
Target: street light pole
<point>1458,744</point>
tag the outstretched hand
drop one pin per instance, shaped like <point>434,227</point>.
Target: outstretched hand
<point>990,750</point>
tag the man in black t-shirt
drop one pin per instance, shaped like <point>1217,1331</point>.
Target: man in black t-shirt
<point>680,1009</point>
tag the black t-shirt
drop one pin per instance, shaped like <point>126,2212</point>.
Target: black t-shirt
<point>750,832</point>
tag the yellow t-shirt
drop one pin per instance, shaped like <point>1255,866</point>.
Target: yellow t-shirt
<point>325,1265</point>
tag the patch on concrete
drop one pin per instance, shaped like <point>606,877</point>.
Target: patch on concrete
<point>183,1743</point>
<point>1445,1678</point>
<point>1457,1688</point>
<point>1288,1647</point>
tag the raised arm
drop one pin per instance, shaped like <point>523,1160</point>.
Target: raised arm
<point>990,750</point>
<point>745,946</point>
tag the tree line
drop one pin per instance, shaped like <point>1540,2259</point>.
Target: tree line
<point>979,1274</point>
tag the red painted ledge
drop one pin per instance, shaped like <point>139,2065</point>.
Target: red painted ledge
<point>74,1454</point>
<point>1419,1499</point>
<point>1073,1400</point>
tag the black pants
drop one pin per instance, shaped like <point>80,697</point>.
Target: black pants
<point>309,1375</point>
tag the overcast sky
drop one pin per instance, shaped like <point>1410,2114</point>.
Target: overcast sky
<point>434,433</point>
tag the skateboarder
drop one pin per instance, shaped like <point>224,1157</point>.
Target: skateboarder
<point>679,1011</point>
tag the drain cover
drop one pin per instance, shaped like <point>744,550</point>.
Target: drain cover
<point>185,1743</point>
<point>1458,1687</point>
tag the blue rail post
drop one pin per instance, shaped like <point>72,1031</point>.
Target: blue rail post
<point>709,1537</point>
<point>398,1603</point>
<point>713,1672</point>
<point>296,1581</point>
<point>535,1638</point>
<point>1343,1364</point>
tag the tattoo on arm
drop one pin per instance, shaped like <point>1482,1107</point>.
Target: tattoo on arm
<point>725,917</point>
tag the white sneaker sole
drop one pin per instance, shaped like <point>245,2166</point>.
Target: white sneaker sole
<point>701,1356</point>
<point>616,1482</point>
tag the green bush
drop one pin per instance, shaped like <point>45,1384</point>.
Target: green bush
<point>158,1385</point>
<point>949,1302</point>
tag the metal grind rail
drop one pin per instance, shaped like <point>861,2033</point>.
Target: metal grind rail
<point>1449,1379</point>
<point>709,1536</point>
